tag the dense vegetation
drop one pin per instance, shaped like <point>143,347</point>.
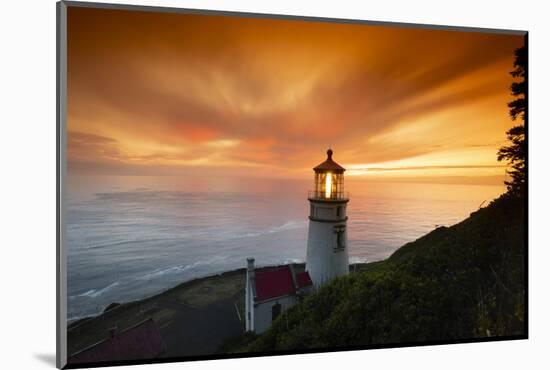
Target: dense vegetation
<point>464,281</point>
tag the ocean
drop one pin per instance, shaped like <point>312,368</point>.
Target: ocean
<point>129,237</point>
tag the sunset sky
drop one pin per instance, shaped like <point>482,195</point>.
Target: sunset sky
<point>162,94</point>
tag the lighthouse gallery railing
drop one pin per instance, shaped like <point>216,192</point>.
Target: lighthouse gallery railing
<point>335,195</point>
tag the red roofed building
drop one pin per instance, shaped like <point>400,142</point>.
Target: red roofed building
<point>273,283</point>
<point>303,279</point>
<point>269,291</point>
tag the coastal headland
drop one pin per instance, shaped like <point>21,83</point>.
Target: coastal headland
<point>460,282</point>
<point>194,318</point>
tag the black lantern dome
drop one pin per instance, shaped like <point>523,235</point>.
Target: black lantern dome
<point>329,165</point>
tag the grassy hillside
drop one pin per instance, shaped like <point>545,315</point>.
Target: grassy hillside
<point>464,281</point>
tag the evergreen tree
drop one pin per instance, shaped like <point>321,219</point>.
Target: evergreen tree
<point>516,152</point>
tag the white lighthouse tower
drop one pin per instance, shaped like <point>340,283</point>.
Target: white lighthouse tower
<point>327,243</point>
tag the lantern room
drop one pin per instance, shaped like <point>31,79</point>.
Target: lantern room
<point>329,180</point>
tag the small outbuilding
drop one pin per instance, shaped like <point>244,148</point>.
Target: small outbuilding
<point>271,290</point>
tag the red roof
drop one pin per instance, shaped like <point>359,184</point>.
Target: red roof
<point>329,165</point>
<point>303,279</point>
<point>275,282</point>
<point>142,341</point>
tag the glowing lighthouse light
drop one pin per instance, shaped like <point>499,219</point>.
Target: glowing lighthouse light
<point>328,185</point>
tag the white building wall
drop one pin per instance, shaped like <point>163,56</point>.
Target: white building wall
<point>263,312</point>
<point>324,261</point>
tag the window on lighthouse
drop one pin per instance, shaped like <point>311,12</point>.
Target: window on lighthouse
<point>340,231</point>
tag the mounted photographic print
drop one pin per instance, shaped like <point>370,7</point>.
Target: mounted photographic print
<point>235,185</point>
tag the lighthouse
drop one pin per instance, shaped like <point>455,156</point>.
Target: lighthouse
<point>327,243</point>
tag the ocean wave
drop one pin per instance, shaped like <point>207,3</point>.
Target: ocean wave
<point>355,259</point>
<point>94,293</point>
<point>180,268</point>
<point>289,261</point>
<point>289,225</point>
<point>130,241</point>
<point>186,236</point>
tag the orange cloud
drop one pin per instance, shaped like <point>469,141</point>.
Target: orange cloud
<point>179,91</point>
